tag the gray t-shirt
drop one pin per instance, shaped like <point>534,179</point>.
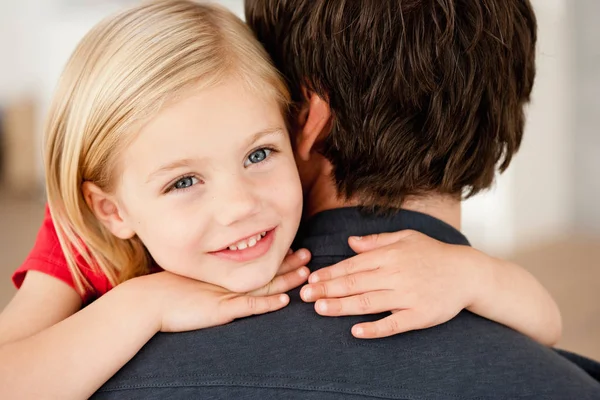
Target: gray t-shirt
<point>296,354</point>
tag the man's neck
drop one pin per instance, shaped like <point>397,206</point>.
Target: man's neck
<point>443,207</point>
<point>322,196</point>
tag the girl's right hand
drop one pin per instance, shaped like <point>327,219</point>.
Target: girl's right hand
<point>184,304</point>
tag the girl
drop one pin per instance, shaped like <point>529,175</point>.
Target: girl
<point>166,145</point>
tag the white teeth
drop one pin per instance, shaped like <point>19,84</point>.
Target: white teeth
<point>250,242</point>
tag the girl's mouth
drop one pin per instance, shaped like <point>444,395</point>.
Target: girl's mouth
<point>248,249</point>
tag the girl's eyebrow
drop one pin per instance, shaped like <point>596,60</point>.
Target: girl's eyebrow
<point>277,131</point>
<point>169,167</point>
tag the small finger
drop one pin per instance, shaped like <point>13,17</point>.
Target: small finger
<point>245,306</point>
<point>352,265</point>
<point>284,283</point>
<point>361,244</point>
<point>347,285</point>
<point>399,322</point>
<point>289,281</point>
<point>362,304</point>
<point>293,261</point>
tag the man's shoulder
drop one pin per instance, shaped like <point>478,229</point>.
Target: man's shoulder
<point>295,350</point>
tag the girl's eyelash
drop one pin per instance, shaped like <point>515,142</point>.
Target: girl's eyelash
<point>272,149</point>
<point>171,186</point>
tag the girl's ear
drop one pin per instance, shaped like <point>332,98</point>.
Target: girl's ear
<point>106,210</point>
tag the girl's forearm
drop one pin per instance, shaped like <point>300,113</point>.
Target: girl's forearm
<point>73,358</point>
<point>510,295</point>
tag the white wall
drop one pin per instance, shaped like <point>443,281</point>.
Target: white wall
<point>17,44</point>
<point>587,115</point>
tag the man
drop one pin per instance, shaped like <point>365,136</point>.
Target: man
<point>420,100</point>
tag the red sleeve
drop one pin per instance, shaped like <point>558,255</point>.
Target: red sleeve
<point>47,257</point>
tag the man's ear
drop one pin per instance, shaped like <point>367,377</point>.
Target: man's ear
<point>106,210</point>
<point>314,124</point>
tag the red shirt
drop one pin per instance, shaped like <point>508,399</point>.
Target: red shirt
<point>47,257</point>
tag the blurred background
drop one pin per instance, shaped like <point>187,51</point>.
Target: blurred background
<point>542,213</point>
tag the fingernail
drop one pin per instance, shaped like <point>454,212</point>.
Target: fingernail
<point>322,306</point>
<point>313,279</point>
<point>303,272</point>
<point>356,237</point>
<point>359,331</point>
<point>308,293</point>
<point>302,254</point>
<point>282,298</point>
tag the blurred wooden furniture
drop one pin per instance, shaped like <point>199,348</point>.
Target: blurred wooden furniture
<point>21,153</point>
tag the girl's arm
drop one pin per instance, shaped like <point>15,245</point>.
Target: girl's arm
<point>424,283</point>
<point>510,295</point>
<point>51,349</point>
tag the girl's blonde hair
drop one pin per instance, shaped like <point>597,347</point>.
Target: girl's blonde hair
<point>121,74</point>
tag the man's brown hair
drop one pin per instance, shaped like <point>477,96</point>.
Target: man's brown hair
<point>426,95</point>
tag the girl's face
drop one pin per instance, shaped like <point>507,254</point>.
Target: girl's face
<point>211,188</point>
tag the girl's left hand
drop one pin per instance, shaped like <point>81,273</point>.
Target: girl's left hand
<point>422,281</point>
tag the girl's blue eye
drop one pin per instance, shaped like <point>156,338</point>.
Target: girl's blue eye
<point>257,156</point>
<point>185,182</point>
